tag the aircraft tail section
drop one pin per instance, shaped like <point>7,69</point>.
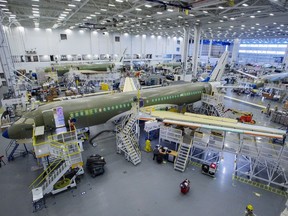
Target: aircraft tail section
<point>219,69</point>
<point>122,57</point>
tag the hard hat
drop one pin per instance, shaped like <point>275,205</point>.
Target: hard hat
<point>249,207</point>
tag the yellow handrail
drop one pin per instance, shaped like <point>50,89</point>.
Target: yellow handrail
<point>45,172</point>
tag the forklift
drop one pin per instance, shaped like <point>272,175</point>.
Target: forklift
<point>245,117</point>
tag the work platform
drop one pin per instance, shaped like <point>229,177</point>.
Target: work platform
<point>256,157</point>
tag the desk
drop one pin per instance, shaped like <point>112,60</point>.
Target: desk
<point>170,154</point>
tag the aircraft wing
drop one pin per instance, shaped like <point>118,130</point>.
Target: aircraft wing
<point>216,123</point>
<point>247,74</point>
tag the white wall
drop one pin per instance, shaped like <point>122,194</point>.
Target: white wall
<point>48,42</point>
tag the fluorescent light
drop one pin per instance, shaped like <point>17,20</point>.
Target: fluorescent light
<point>35,0</point>
<point>170,10</point>
<point>92,15</point>
<point>245,5</point>
<point>148,16</point>
<point>3,1</point>
<point>258,11</point>
<point>111,5</point>
<point>205,12</point>
<point>36,9</point>
<point>1,5</point>
<point>35,12</point>
<point>71,5</point>
<point>271,14</point>
<point>68,9</point>
<point>159,12</point>
<point>220,7</point>
<point>97,13</point>
<point>77,0</point>
<point>120,15</point>
<point>138,9</point>
<point>252,16</point>
<point>102,9</point>
<point>36,15</point>
<point>88,17</point>
<point>119,1</point>
<point>148,6</point>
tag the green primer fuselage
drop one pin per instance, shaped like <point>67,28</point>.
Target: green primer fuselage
<point>99,109</point>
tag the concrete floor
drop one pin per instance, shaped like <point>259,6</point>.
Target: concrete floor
<point>145,189</point>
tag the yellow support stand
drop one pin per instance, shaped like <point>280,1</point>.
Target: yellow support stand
<point>148,146</point>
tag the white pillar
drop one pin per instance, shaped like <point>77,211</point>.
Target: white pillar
<point>184,50</point>
<point>197,34</point>
<point>235,51</point>
<point>285,60</point>
<point>6,60</point>
<point>209,51</point>
<point>201,48</point>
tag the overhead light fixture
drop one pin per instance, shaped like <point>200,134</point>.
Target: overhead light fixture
<point>245,5</point>
<point>159,12</point>
<point>88,17</point>
<point>271,14</point>
<point>97,13</point>
<point>148,16</point>
<point>252,16</point>
<point>170,10</point>
<point>111,5</point>
<point>1,5</point>
<point>65,12</point>
<point>119,1</point>
<point>191,14</point>
<point>148,6</point>
<point>3,1</point>
<point>68,9</point>
<point>120,15</point>
<point>258,11</point>
<point>220,7</point>
<point>138,9</point>
<point>102,9</point>
<point>36,12</point>
<point>205,12</point>
<point>36,9</point>
<point>77,0</point>
<point>35,0</point>
<point>92,15</point>
<point>71,5</point>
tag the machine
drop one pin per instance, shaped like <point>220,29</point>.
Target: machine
<point>244,117</point>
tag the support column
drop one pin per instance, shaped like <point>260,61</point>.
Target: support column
<point>201,48</point>
<point>184,52</point>
<point>235,51</point>
<point>6,60</point>
<point>285,60</point>
<point>209,51</point>
<point>197,34</point>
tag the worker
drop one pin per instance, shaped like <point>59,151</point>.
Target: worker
<point>268,109</point>
<point>249,210</point>
<point>155,152</point>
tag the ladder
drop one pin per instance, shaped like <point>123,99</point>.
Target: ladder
<point>127,140</point>
<point>48,178</point>
<point>182,157</point>
<point>64,154</point>
<point>132,152</point>
<point>12,150</point>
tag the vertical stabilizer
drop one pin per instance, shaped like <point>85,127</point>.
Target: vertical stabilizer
<point>220,67</point>
<point>122,57</point>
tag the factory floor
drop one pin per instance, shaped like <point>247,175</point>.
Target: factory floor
<point>146,189</point>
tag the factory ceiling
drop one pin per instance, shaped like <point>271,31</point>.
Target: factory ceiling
<point>218,19</point>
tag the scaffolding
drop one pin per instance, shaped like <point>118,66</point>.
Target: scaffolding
<point>212,105</point>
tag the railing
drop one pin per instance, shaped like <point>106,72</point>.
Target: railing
<point>42,177</point>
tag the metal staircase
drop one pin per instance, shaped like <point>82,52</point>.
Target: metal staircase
<point>182,157</point>
<point>64,154</point>
<point>127,137</point>
<point>212,105</point>
<point>12,150</point>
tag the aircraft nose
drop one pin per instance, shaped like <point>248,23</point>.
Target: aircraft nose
<point>5,134</point>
